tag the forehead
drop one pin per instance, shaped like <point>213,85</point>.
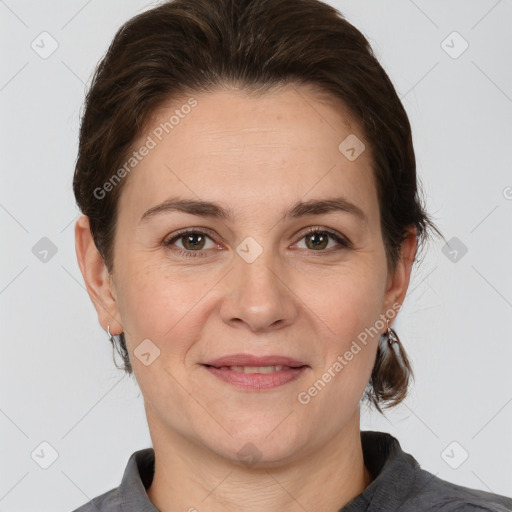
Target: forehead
<point>240,148</point>
<point>294,112</point>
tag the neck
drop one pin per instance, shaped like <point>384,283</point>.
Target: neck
<point>192,478</point>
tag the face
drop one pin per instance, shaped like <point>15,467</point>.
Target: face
<point>191,286</point>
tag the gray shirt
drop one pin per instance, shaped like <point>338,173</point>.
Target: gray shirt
<point>398,485</point>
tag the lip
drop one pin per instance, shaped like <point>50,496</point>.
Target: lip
<point>256,381</point>
<point>293,369</point>
<point>252,360</point>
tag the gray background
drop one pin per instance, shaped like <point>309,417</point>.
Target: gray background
<point>58,383</point>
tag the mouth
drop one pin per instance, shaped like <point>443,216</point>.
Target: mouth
<point>252,373</point>
<point>256,369</point>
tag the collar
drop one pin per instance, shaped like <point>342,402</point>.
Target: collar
<point>382,455</point>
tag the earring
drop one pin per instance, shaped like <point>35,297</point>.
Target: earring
<point>110,337</point>
<point>390,336</point>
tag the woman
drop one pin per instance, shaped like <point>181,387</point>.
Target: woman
<point>251,217</point>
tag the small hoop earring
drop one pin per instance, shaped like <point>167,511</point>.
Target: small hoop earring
<point>391,336</point>
<point>110,337</point>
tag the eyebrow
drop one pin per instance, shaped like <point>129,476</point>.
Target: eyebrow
<point>212,209</point>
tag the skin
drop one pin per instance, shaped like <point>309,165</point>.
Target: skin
<point>258,156</point>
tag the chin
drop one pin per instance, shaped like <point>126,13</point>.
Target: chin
<point>257,448</point>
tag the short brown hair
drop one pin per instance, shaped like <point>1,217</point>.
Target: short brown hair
<point>193,46</point>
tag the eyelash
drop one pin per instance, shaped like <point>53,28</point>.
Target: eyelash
<point>344,242</point>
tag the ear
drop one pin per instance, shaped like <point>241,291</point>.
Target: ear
<point>398,281</point>
<point>97,280</point>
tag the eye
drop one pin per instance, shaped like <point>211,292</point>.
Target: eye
<point>317,239</point>
<point>193,241</point>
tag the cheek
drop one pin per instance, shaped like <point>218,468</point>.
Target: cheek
<point>351,302</point>
<point>350,308</point>
<point>163,306</point>
<point>349,350</point>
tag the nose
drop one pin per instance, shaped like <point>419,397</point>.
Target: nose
<point>258,296</point>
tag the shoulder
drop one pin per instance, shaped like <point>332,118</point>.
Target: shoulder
<point>137,476</point>
<point>402,485</point>
<point>432,493</point>
<point>106,502</point>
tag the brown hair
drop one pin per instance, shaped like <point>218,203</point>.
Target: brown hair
<point>193,46</point>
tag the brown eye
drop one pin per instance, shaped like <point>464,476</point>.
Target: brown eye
<point>193,241</point>
<point>190,243</point>
<point>318,240</point>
